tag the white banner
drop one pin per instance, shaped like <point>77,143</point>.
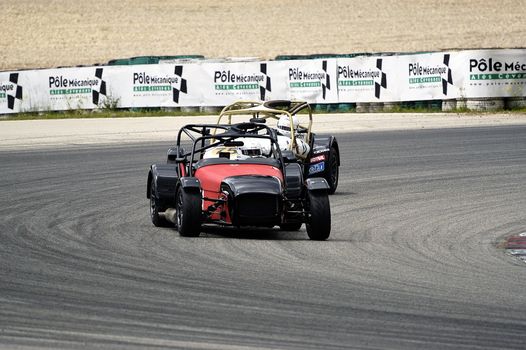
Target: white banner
<point>156,85</point>
<point>426,77</point>
<point>397,78</point>
<point>223,83</point>
<point>490,73</point>
<point>310,80</point>
<point>368,79</point>
<point>412,77</point>
<point>53,89</point>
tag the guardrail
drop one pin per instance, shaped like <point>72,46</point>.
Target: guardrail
<point>474,79</point>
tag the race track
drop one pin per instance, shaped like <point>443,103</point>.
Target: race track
<point>412,261</point>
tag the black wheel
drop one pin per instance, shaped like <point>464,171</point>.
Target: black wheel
<point>188,206</point>
<point>333,170</point>
<point>290,226</point>
<point>157,219</point>
<point>319,219</point>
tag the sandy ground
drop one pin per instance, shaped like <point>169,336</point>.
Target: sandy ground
<point>50,33</point>
<point>67,133</point>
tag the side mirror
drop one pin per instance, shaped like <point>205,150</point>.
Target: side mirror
<point>176,154</point>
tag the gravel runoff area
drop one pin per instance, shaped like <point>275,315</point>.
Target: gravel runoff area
<point>51,33</point>
<point>65,133</point>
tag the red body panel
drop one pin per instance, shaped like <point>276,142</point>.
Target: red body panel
<point>211,176</point>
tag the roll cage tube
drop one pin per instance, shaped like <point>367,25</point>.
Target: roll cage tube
<point>201,129</point>
<point>268,109</point>
<point>200,145</point>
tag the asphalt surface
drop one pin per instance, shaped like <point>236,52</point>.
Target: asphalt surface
<point>412,261</point>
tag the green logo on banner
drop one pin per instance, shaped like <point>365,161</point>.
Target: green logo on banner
<point>237,86</point>
<point>305,84</point>
<point>500,76</point>
<point>366,82</point>
<point>425,80</point>
<point>70,91</point>
<point>152,88</point>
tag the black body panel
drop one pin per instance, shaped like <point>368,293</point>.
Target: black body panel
<point>322,145</point>
<point>166,178</point>
<point>317,184</point>
<point>190,183</point>
<point>293,180</point>
<point>254,200</point>
<point>246,184</point>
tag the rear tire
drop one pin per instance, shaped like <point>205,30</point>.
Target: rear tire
<point>188,206</point>
<point>333,172</point>
<point>157,219</point>
<point>319,220</point>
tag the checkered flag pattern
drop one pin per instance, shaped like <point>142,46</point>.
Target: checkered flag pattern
<point>102,87</point>
<point>383,81</point>
<point>327,85</point>
<point>13,78</point>
<point>449,80</point>
<point>267,87</point>
<point>182,88</point>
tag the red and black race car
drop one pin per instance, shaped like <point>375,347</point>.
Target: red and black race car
<point>236,175</point>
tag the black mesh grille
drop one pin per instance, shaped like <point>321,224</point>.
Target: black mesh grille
<point>257,209</point>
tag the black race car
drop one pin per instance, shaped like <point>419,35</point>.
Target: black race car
<point>322,156</point>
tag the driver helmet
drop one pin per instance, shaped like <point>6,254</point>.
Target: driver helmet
<point>254,147</point>
<point>284,125</point>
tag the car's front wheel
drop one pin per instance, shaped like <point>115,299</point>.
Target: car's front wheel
<point>188,206</point>
<point>319,215</point>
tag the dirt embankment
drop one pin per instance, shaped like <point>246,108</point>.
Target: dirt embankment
<point>50,33</point>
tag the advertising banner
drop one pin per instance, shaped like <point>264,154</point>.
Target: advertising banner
<point>368,79</point>
<point>426,77</point>
<point>223,82</point>
<point>69,88</point>
<point>311,80</point>
<point>157,85</point>
<point>52,89</point>
<point>491,73</point>
<point>413,77</point>
<point>11,92</point>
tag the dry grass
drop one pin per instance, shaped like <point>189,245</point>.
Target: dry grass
<point>49,33</point>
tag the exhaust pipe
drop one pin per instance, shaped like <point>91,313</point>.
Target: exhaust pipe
<point>170,214</point>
